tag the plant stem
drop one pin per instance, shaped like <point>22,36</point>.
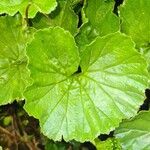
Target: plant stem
<point>3,130</point>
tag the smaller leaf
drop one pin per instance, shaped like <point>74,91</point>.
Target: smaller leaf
<point>101,21</point>
<point>50,145</point>
<point>134,134</point>
<point>135,15</point>
<point>86,35</point>
<point>135,23</point>
<point>71,145</point>
<point>14,76</point>
<point>63,16</point>
<point>109,144</point>
<point>100,15</point>
<point>83,14</point>
<point>26,6</point>
<point>7,120</point>
<point>146,53</point>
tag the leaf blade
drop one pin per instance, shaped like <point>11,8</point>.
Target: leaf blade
<point>100,15</point>
<point>14,76</point>
<point>22,6</point>
<point>78,102</point>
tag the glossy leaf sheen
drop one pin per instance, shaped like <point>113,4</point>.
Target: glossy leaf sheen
<point>135,133</point>
<point>13,6</point>
<point>80,106</point>
<point>14,76</point>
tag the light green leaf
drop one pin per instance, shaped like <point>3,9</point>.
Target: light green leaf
<point>135,15</point>
<point>14,76</point>
<point>100,15</point>
<point>109,144</point>
<point>134,134</point>
<point>83,15</point>
<point>13,6</point>
<point>62,16</point>
<point>82,105</point>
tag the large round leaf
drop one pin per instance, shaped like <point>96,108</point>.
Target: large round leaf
<point>82,105</point>
<point>14,76</point>
<point>23,6</point>
<point>135,133</point>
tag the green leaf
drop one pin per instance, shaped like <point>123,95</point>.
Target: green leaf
<point>109,144</point>
<point>7,120</point>
<point>101,22</point>
<point>146,53</point>
<point>135,21</point>
<point>50,145</point>
<point>82,105</point>
<point>135,133</point>
<point>63,16</point>
<point>62,145</point>
<point>86,35</point>
<point>13,6</point>
<point>100,15</point>
<point>14,76</point>
<point>83,15</point>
